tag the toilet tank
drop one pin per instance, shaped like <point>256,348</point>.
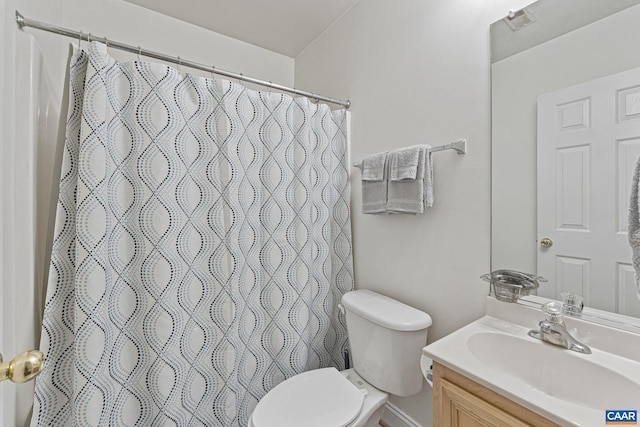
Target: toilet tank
<point>386,338</point>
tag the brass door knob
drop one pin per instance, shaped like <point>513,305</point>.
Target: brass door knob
<point>23,367</point>
<point>546,242</point>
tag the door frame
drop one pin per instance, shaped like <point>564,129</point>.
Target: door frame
<point>8,268</point>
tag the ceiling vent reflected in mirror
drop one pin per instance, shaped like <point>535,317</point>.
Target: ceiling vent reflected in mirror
<point>519,19</point>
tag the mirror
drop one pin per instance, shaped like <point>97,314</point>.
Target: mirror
<point>560,50</point>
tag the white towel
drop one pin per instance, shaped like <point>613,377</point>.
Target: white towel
<point>374,184</point>
<point>634,224</point>
<point>413,195</point>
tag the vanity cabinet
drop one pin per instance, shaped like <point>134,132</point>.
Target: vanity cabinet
<point>461,402</point>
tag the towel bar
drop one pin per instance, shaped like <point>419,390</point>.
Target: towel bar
<point>460,146</point>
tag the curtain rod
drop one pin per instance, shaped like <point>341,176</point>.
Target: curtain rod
<point>22,22</point>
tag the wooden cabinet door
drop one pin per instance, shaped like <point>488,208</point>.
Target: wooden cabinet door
<point>462,409</point>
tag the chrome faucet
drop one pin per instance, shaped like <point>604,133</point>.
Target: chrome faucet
<point>553,330</point>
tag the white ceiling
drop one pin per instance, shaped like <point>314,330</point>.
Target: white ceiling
<point>283,26</point>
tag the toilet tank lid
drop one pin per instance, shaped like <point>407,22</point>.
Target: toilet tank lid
<point>385,311</point>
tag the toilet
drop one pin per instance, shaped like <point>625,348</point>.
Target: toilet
<point>386,339</point>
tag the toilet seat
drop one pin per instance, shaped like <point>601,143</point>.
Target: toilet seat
<point>322,397</point>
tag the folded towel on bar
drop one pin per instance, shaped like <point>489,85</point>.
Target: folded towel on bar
<point>634,224</point>
<point>374,183</point>
<point>373,167</point>
<point>412,196</point>
<point>403,163</point>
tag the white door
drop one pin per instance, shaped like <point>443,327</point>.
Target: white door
<point>588,144</point>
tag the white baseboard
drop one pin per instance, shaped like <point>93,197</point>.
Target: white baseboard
<point>394,417</point>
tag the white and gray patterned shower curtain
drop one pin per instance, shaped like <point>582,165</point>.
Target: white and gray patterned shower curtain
<point>202,245</point>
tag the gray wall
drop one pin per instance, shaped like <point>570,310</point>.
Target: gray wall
<point>418,72</point>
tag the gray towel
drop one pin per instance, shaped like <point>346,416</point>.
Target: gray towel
<point>428,177</point>
<point>412,196</point>
<point>403,163</point>
<point>373,167</point>
<point>634,224</point>
<point>374,184</point>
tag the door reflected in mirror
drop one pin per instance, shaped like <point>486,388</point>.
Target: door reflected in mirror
<point>565,139</point>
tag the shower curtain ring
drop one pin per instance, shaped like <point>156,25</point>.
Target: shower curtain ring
<point>80,39</point>
<point>179,63</point>
<point>89,38</point>
<point>213,72</point>
<point>139,52</point>
<point>106,42</point>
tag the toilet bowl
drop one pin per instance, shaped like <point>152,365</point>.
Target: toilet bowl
<point>386,339</point>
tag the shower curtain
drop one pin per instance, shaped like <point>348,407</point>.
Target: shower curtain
<point>202,245</point>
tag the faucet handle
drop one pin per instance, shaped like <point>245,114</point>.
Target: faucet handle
<point>554,312</point>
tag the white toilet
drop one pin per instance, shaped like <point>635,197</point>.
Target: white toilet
<point>386,338</point>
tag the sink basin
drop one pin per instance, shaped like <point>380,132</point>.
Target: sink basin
<point>564,386</point>
<point>556,372</point>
